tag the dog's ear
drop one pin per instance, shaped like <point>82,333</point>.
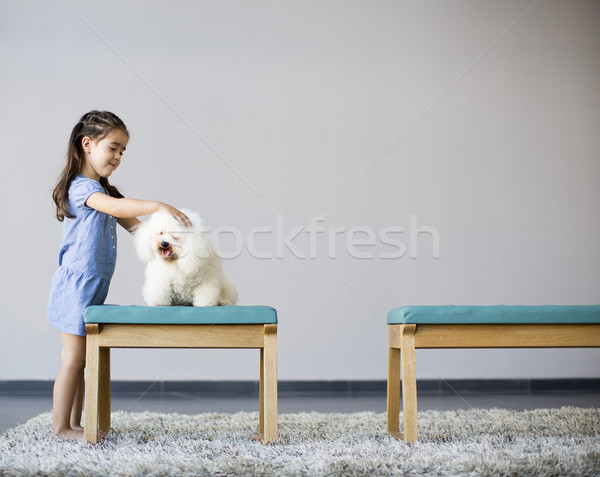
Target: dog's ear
<point>197,251</point>
<point>142,242</point>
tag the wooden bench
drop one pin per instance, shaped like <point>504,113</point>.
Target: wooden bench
<point>110,326</point>
<point>427,327</point>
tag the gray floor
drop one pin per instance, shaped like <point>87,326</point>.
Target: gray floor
<point>16,410</point>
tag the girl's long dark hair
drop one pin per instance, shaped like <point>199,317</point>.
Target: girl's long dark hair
<point>96,125</point>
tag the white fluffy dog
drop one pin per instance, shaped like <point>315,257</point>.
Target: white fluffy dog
<point>182,267</point>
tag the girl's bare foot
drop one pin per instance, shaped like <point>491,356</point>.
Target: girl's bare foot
<point>77,434</point>
<point>70,434</point>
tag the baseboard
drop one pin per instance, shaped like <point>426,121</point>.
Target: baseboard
<point>342,388</point>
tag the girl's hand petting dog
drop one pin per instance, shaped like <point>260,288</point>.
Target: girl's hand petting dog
<point>180,216</point>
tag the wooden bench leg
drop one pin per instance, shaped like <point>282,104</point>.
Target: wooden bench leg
<point>409,383</point>
<point>92,364</point>
<point>268,386</point>
<point>261,396</point>
<point>393,392</point>
<point>104,390</point>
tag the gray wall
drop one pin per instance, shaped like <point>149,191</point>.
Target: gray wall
<point>268,114</point>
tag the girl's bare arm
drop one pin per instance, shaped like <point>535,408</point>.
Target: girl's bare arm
<point>132,208</point>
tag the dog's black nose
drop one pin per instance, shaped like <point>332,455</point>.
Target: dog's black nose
<point>164,245</point>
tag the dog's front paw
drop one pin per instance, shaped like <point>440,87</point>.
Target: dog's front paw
<point>205,303</point>
<point>206,295</point>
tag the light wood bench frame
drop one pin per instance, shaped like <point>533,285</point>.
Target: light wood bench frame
<point>102,337</point>
<point>404,339</point>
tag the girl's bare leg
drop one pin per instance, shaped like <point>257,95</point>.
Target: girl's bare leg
<point>78,406</point>
<point>66,386</point>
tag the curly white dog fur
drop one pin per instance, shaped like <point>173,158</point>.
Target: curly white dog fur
<point>182,267</point>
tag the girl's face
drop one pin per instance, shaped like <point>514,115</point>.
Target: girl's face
<point>104,156</point>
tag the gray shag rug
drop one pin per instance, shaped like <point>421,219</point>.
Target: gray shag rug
<point>562,441</point>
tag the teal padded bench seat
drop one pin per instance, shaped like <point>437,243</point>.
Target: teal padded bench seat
<point>184,315</point>
<point>113,326</point>
<point>499,326</point>
<point>498,314</point>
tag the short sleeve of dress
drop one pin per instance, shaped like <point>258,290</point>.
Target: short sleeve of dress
<point>81,189</point>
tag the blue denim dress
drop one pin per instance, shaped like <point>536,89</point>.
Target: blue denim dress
<point>86,261</point>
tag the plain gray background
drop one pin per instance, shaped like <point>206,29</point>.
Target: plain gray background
<point>478,118</point>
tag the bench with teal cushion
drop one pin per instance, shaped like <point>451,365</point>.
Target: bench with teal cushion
<point>183,315</point>
<point>500,326</point>
<point>113,326</point>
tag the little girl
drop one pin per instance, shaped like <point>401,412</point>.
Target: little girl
<point>90,209</point>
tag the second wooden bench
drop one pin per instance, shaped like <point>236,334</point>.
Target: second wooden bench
<point>422,327</point>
